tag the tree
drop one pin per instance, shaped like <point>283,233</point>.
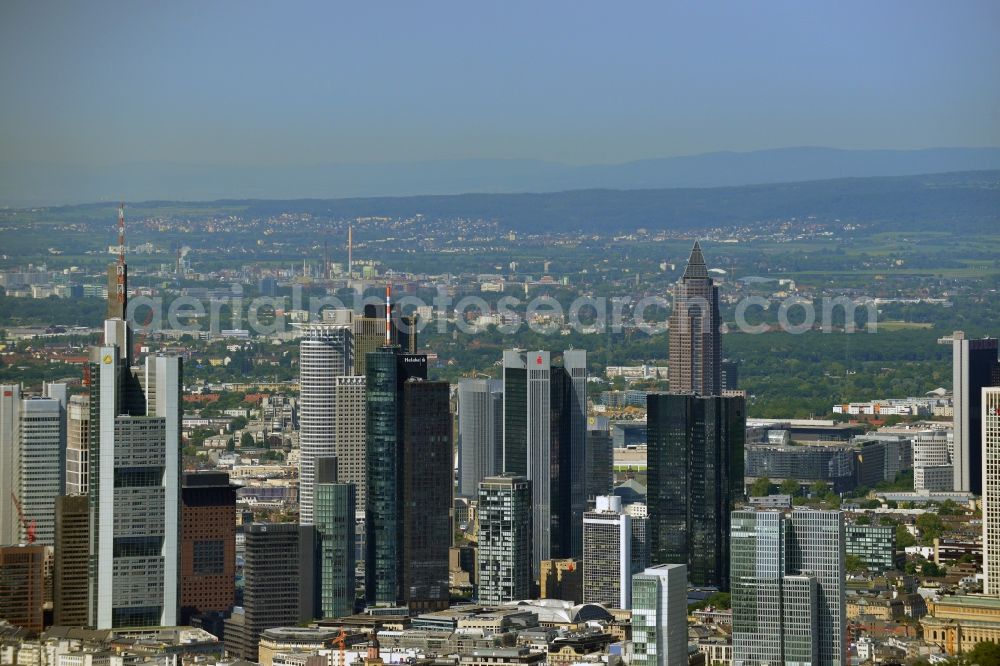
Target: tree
<point>247,441</point>
<point>863,520</point>
<point>789,487</point>
<point>903,537</point>
<point>818,489</point>
<point>761,487</point>
<point>984,654</point>
<point>854,564</point>
<point>930,526</point>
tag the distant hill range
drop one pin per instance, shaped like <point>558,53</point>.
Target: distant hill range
<point>23,185</point>
<point>967,202</point>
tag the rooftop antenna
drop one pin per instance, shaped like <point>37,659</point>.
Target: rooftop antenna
<point>388,309</point>
<point>120,289</point>
<point>350,248</point>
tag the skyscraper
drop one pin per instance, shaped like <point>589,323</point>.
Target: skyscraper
<point>69,571</point>
<point>426,498</point>
<point>388,369</point>
<point>695,471</point>
<point>369,334</point>
<point>599,462</point>
<point>695,345</point>
<point>788,587</point>
<point>974,366</point>
<point>208,544</point>
<point>480,432</point>
<point>612,552</point>
<point>10,480</point>
<point>335,511</point>
<point>134,486</point>
<point>41,449</point>
<point>78,445</point>
<point>544,439</point>
<point>21,586</point>
<point>659,616</point>
<point>504,548</point>
<point>325,353</point>
<point>349,436</point>
<point>991,489</point>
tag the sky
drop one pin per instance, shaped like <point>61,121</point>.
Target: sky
<point>300,83</point>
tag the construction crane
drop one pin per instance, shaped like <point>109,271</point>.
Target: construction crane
<point>29,529</point>
<point>339,641</point>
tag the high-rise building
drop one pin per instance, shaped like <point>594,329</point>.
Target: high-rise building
<point>335,515</point>
<point>695,345</point>
<point>788,587</point>
<point>388,369</point>
<point>10,479</point>
<point>974,367</point>
<point>369,334</point>
<point>599,462</point>
<point>730,375</point>
<point>349,436</point>
<point>545,430</point>
<point>480,432</point>
<point>208,544</point>
<point>659,616</point>
<point>278,580</point>
<point>561,579</point>
<point>78,445</point>
<point>932,470</point>
<point>613,550</point>
<point>504,547</point>
<point>134,487</point>
<point>427,485</point>
<point>991,489</point>
<point>69,571</point>
<point>21,586</point>
<point>695,472</point>
<point>41,447</point>
<point>325,353</point>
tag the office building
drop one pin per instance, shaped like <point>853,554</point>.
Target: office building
<point>613,550</point>
<point>659,616</point>
<point>990,436</point>
<point>369,334</point>
<point>599,462</point>
<point>932,469</point>
<point>504,547</point>
<point>974,367</point>
<point>349,436</point>
<point>695,345</point>
<point>325,353</point>
<point>695,472</point>
<point>545,433</point>
<point>41,463</point>
<point>730,375</point>
<point>278,580</point>
<point>874,545</point>
<point>69,570</point>
<point>78,445</point>
<point>21,586</point>
<point>788,587</point>
<point>208,544</point>
<point>388,370</point>
<point>561,579</point>
<point>134,493</point>
<point>427,485</point>
<point>10,480</point>
<point>480,432</point>
<point>335,515</point>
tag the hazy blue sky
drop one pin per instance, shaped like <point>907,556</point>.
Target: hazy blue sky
<point>269,83</point>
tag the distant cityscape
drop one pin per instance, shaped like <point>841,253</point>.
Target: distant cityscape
<point>332,491</point>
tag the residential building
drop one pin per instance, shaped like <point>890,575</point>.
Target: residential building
<point>613,550</point>
<point>325,353</point>
<point>208,544</point>
<point>695,472</point>
<point>545,440</point>
<point>503,561</point>
<point>974,366</point>
<point>695,345</point>
<point>71,559</point>
<point>480,432</point>
<point>659,616</point>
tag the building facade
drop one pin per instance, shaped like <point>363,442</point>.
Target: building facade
<point>613,551</point>
<point>41,462</point>
<point>22,586</point>
<point>599,462</point>
<point>695,472</point>
<point>70,564</point>
<point>78,445</point>
<point>695,344</point>
<point>503,563</point>
<point>990,436</point>
<point>874,545</point>
<point>335,533</point>
<point>480,432</point>
<point>659,616</point>
<point>208,544</point>
<point>10,407</point>
<point>349,437</point>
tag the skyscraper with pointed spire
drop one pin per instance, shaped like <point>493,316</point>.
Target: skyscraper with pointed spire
<point>694,344</point>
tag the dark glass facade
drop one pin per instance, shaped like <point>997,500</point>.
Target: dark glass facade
<point>695,471</point>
